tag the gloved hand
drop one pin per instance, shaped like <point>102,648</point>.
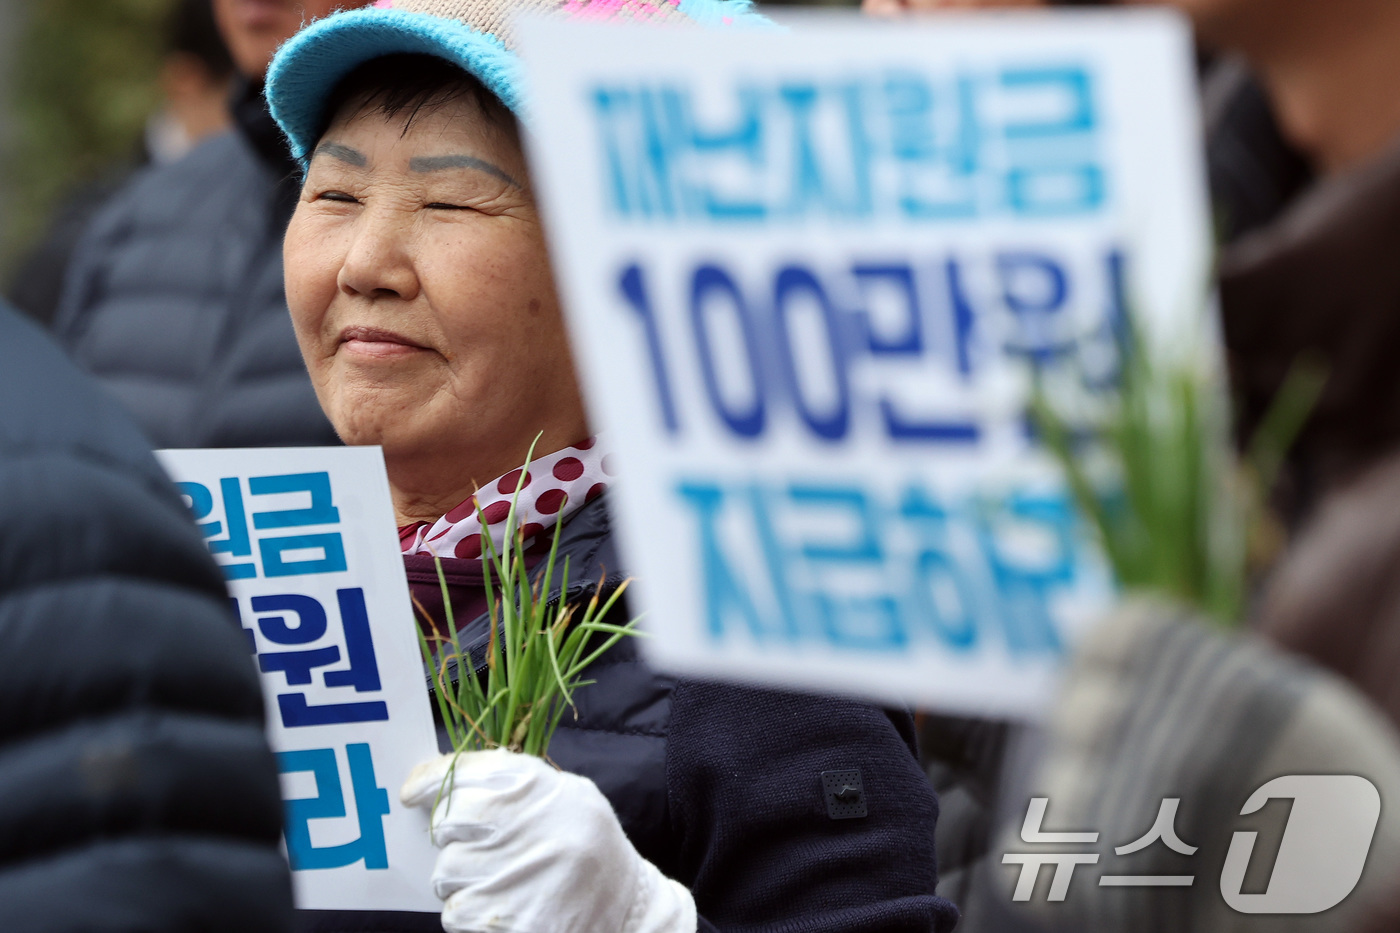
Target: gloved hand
<point>530,849</point>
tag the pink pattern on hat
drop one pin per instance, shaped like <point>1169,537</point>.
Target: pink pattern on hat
<point>611,9</point>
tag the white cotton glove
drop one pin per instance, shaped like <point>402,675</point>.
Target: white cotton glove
<point>530,849</point>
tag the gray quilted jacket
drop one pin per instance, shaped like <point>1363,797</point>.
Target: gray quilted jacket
<point>174,298</point>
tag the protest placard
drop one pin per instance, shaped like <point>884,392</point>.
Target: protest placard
<point>305,538</point>
<point>807,272</point>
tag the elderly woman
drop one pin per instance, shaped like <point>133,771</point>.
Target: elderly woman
<point>421,293</point>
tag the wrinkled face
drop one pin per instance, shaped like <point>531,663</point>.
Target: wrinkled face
<point>422,296</point>
<point>253,29</point>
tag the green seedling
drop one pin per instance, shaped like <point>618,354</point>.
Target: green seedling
<point>537,656</point>
<point>1176,509</point>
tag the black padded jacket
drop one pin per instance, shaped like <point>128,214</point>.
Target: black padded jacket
<point>137,793</point>
<point>174,299</point>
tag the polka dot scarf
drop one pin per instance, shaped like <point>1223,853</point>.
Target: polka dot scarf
<point>556,486</point>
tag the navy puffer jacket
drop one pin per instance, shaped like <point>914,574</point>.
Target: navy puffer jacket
<point>174,297</point>
<point>720,785</point>
<point>137,793</point>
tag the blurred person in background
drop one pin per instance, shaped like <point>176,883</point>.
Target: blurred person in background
<point>195,80</point>
<point>1303,120</point>
<point>137,791</point>
<point>1303,124</point>
<point>1302,109</point>
<point>174,297</point>
<point>1160,711</point>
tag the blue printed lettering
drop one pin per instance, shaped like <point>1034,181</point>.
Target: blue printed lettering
<point>371,806</point>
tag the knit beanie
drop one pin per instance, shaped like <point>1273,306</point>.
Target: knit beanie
<point>476,35</point>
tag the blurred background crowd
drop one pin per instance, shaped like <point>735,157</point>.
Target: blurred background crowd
<point>92,91</point>
<point>118,115</point>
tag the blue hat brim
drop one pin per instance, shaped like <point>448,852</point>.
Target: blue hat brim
<point>309,65</point>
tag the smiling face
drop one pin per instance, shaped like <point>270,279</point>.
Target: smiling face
<point>423,302</point>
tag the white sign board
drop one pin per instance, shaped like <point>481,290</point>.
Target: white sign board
<point>306,540</point>
<point>806,271</point>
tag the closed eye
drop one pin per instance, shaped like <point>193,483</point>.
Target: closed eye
<point>340,196</point>
<point>440,206</point>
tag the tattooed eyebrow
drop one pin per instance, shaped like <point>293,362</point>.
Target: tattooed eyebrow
<point>343,153</point>
<point>438,163</point>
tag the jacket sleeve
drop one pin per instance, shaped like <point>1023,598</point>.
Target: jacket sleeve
<point>757,846</point>
<point>85,272</point>
<point>136,789</point>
